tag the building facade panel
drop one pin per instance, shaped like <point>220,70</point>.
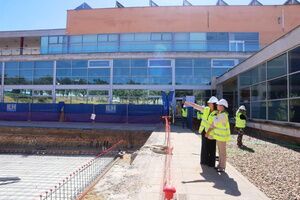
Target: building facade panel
<point>270,21</point>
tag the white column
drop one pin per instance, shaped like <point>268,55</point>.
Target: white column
<point>173,74</point>
<point>110,82</point>
<point>54,83</point>
<point>2,82</point>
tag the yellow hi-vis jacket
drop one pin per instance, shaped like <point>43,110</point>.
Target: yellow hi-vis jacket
<point>239,123</point>
<point>199,115</point>
<point>221,132</point>
<point>184,112</point>
<point>207,119</point>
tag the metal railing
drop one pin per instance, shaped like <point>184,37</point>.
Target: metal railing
<point>75,185</point>
<point>137,46</point>
<point>151,46</point>
<point>168,188</point>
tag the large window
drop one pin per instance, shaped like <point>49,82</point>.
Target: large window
<point>28,73</point>
<point>137,96</point>
<point>258,92</point>
<point>82,72</point>
<point>277,67</point>
<point>43,73</point>
<point>245,78</point>
<point>244,41</point>
<point>17,96</point>
<point>71,96</point>
<point>133,72</point>
<point>192,71</point>
<point>221,66</point>
<point>294,60</point>
<point>295,110</point>
<point>277,89</point>
<point>258,110</point>
<point>258,73</point>
<point>217,41</point>
<point>245,95</point>
<point>151,42</point>
<point>159,72</point>
<point>277,110</point>
<point>71,72</point>
<point>295,85</point>
<point>98,97</point>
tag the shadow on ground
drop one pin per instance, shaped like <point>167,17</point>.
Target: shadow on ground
<point>8,180</point>
<point>221,181</point>
<point>245,148</point>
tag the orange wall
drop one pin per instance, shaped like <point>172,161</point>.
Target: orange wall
<point>262,19</point>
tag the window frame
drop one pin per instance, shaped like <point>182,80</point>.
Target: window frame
<point>159,66</point>
<point>109,63</point>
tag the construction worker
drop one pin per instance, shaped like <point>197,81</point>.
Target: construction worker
<point>208,145</point>
<point>184,115</point>
<point>240,124</point>
<point>220,129</point>
<point>199,115</point>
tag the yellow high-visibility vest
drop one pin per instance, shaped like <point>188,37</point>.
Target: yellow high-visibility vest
<point>199,115</point>
<point>210,120</point>
<point>221,131</point>
<point>184,112</point>
<point>204,122</point>
<point>239,123</point>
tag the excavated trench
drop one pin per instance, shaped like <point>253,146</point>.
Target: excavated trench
<point>56,141</point>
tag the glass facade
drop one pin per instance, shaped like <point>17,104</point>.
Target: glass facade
<point>27,96</point>
<point>99,81</point>
<point>137,96</point>
<point>271,89</point>
<point>28,73</point>
<point>142,72</point>
<point>193,71</point>
<point>82,72</point>
<point>151,42</point>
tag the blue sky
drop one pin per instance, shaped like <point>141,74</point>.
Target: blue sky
<point>48,14</point>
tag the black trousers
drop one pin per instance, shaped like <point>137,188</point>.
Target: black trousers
<point>208,151</point>
<point>184,122</point>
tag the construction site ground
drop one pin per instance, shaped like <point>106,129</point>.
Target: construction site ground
<point>140,175</point>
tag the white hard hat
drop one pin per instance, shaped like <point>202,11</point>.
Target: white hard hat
<point>242,107</point>
<point>212,99</point>
<point>223,102</point>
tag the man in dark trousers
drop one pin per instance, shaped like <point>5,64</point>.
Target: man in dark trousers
<point>240,124</point>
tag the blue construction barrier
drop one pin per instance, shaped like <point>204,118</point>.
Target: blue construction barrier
<point>78,112</point>
<point>111,113</point>
<point>14,111</point>
<point>105,113</point>
<point>45,112</point>
<point>144,113</point>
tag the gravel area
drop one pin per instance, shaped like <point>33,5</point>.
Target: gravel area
<point>273,168</point>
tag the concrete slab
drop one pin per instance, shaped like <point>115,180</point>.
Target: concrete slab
<point>25,177</point>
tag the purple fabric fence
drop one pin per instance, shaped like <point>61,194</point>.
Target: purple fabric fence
<point>45,112</point>
<point>111,113</point>
<point>14,111</point>
<point>144,113</point>
<point>78,112</point>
